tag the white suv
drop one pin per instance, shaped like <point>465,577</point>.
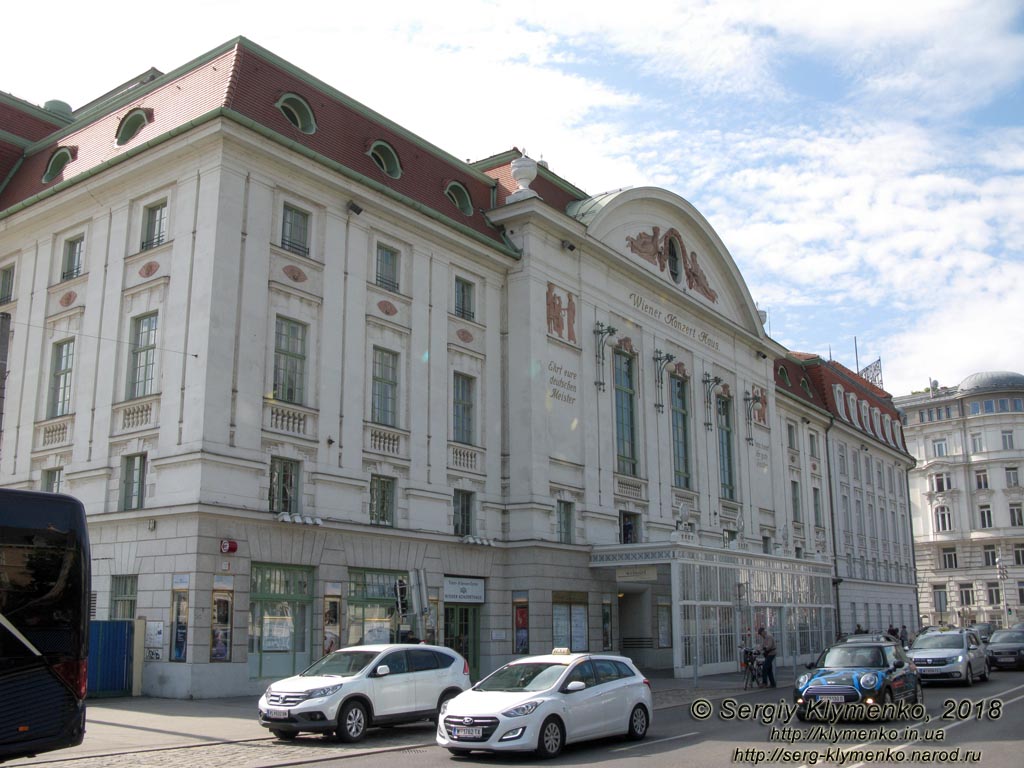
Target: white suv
<point>354,688</point>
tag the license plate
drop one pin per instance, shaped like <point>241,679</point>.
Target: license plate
<point>467,732</point>
<point>1007,659</point>
<point>277,714</point>
<point>928,671</point>
<point>833,699</point>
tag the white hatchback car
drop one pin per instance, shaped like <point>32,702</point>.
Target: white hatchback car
<point>354,688</point>
<point>542,703</point>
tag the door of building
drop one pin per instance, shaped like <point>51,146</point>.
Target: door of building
<point>462,634</point>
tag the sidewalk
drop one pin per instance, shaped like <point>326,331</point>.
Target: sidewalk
<point>145,731</point>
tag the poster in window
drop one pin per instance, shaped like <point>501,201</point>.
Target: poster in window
<point>332,623</point>
<point>179,625</point>
<point>580,641</point>
<point>560,625</point>
<point>522,618</point>
<point>664,626</point>
<point>220,631</point>
<point>277,633</point>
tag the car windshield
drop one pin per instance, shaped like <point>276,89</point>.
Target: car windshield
<point>1008,636</point>
<point>852,656</point>
<point>341,663</point>
<point>530,676</point>
<point>950,642</point>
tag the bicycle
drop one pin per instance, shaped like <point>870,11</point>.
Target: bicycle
<point>753,668</point>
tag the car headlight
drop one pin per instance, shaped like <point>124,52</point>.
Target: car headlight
<point>959,659</point>
<point>869,680</point>
<point>317,693</point>
<point>444,707</point>
<point>803,680</point>
<point>526,708</point>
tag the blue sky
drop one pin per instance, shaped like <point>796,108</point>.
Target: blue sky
<point>863,165</point>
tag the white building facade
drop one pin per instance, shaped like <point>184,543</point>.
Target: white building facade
<point>320,383</point>
<point>967,498</point>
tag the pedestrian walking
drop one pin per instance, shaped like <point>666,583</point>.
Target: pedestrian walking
<point>769,648</point>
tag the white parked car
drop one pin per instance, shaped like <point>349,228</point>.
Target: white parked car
<point>542,703</point>
<point>354,688</point>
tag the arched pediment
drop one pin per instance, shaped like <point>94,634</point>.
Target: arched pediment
<point>663,233</point>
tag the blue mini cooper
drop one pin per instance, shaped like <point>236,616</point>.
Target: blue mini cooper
<point>863,673</point>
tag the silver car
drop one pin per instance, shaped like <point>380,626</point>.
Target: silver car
<point>953,654</point>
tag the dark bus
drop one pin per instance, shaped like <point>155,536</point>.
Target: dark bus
<point>44,622</point>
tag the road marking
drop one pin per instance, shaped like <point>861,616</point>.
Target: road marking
<point>656,741</point>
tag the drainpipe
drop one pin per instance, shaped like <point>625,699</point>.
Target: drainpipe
<point>836,578</point>
<point>5,338</point>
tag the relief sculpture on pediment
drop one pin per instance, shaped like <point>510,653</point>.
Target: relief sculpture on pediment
<point>654,247</point>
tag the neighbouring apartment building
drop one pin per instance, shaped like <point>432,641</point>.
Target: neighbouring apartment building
<point>318,382</point>
<point>967,498</point>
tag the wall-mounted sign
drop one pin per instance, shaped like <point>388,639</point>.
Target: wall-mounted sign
<point>637,573</point>
<point>461,589</point>
<point>227,546</point>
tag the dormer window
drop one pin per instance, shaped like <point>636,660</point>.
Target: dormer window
<point>386,159</point>
<point>459,197</point>
<point>784,376</point>
<point>840,401</point>
<point>131,124</point>
<point>298,112</point>
<point>806,387</point>
<point>55,167</point>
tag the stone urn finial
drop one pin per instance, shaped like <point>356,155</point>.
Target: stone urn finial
<point>524,171</point>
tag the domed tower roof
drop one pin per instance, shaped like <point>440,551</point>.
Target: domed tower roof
<point>990,381</point>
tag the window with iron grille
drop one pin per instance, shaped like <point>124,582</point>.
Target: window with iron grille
<point>680,432</point>
<point>464,307</point>
<point>123,591</point>
<point>462,409</point>
<point>462,505</point>
<point>625,414</point>
<point>133,481</point>
<point>289,361</point>
<point>6,284</point>
<point>72,266</point>
<point>726,468</point>
<point>295,231</point>
<point>53,480</point>
<point>384,393</point>
<point>284,485</point>
<point>142,359</point>
<point>387,268</point>
<point>382,501</point>
<point>60,379</point>
<point>154,229</point>
<point>564,511</point>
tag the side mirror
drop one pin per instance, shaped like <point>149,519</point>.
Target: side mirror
<point>810,665</point>
<point>575,685</point>
<point>382,670</point>
<point>972,647</point>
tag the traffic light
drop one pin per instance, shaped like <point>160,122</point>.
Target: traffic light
<point>1001,567</point>
<point>402,597</point>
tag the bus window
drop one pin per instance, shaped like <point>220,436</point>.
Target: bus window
<point>44,622</point>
